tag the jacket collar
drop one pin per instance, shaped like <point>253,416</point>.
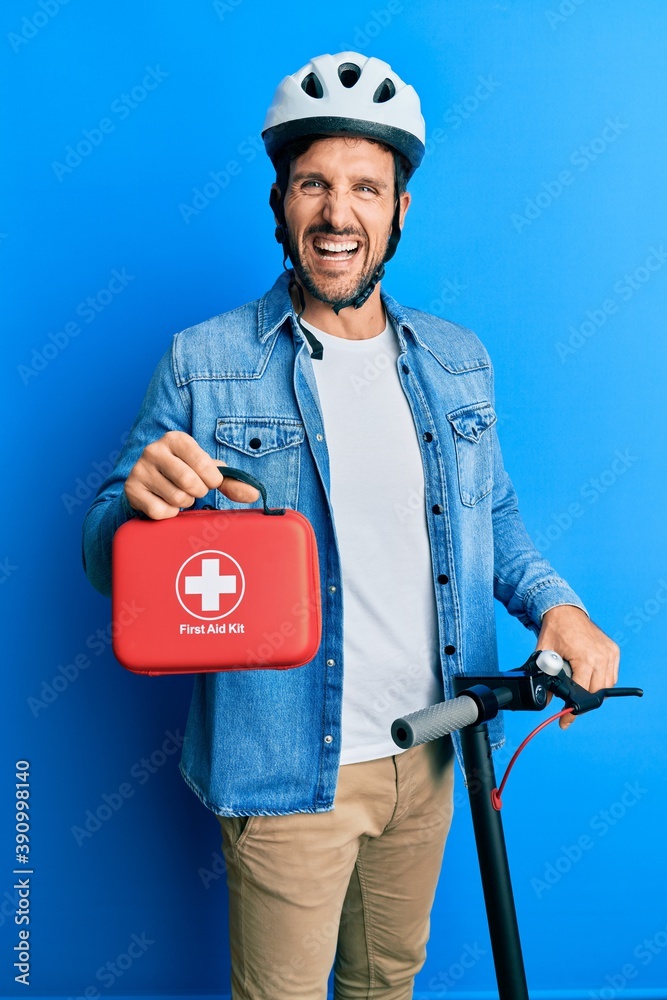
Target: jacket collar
<point>276,306</point>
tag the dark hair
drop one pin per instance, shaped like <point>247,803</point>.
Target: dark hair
<point>299,146</point>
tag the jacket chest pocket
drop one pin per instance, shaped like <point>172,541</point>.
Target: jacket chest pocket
<point>474,450</point>
<point>266,447</point>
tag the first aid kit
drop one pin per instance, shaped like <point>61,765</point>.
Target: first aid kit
<point>210,590</point>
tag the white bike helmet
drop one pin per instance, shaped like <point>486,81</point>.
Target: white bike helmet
<point>346,94</point>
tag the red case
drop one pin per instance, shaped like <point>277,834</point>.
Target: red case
<point>213,590</point>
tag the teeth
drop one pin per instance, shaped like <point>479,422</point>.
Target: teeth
<point>335,247</point>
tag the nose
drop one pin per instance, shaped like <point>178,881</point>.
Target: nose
<point>336,210</point>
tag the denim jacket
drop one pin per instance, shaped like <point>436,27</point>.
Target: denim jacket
<point>268,741</point>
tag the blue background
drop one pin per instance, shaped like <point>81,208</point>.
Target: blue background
<point>514,94</point>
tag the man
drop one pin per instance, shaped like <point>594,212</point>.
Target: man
<point>377,422</point>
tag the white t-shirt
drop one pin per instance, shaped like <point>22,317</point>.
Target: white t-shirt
<point>390,634</point>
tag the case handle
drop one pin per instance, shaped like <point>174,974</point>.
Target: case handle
<point>245,477</point>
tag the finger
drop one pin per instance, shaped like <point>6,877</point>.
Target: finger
<point>601,674</point>
<point>168,477</point>
<point>237,491</point>
<point>185,447</point>
<point>148,503</point>
<point>614,664</point>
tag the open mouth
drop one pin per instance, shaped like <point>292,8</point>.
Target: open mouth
<point>337,250</point>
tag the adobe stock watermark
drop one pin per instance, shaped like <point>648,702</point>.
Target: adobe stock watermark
<point>600,824</point>
<point>644,952</point>
<point>85,486</point>
<point>67,673</point>
<point>581,158</point>
<point>215,872</point>
<point>9,905</point>
<point>87,310</point>
<point>476,778</point>
<point>115,968</point>
<point>456,114</point>
<point>450,977</point>
<point>564,11</point>
<point>413,504</point>
<point>225,7</point>
<point>219,180</point>
<point>643,614</point>
<point>211,533</point>
<point>121,108</point>
<point>377,21</point>
<point>372,369</point>
<point>112,802</point>
<point>7,569</point>
<point>400,678</point>
<point>323,935</point>
<point>625,289</point>
<point>590,492</point>
<point>449,293</point>
<point>32,25</point>
<point>300,612</point>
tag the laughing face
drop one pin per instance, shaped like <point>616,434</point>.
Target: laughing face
<point>339,207</point>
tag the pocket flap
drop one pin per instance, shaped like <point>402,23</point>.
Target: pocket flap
<point>258,435</point>
<point>471,421</point>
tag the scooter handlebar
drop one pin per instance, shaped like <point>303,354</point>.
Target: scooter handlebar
<point>434,721</point>
<point>516,689</point>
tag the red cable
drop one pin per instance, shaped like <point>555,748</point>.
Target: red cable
<point>496,793</point>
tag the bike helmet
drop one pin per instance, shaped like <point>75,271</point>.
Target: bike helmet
<point>346,94</point>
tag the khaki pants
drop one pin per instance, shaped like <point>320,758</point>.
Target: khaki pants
<point>354,885</point>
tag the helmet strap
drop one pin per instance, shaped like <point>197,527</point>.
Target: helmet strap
<point>316,347</point>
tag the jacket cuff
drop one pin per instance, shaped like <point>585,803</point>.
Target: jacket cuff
<point>128,511</point>
<point>548,595</point>
<point>566,604</point>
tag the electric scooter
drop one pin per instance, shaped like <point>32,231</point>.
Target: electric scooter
<point>478,699</point>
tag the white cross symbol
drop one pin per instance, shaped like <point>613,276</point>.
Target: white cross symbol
<point>210,584</point>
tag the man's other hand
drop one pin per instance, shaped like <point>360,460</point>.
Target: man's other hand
<point>593,656</point>
<point>172,472</point>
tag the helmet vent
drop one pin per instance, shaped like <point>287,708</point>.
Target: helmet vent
<point>312,86</point>
<point>385,92</point>
<point>348,74</point>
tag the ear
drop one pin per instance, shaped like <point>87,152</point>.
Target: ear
<point>404,202</point>
<point>280,232</point>
<point>275,200</point>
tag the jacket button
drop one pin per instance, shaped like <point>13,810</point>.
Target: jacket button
<point>328,739</point>
<point>443,578</point>
<point>450,650</point>
<point>255,443</point>
<point>330,663</point>
<point>428,436</point>
<point>405,369</point>
<point>332,588</point>
<point>319,437</point>
<point>437,509</point>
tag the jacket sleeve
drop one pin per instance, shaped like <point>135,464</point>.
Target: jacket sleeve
<point>523,580</point>
<point>165,407</point>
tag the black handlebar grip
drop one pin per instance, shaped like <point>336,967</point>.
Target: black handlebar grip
<point>434,721</point>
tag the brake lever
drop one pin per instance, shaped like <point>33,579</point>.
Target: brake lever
<point>574,695</point>
<point>557,675</point>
